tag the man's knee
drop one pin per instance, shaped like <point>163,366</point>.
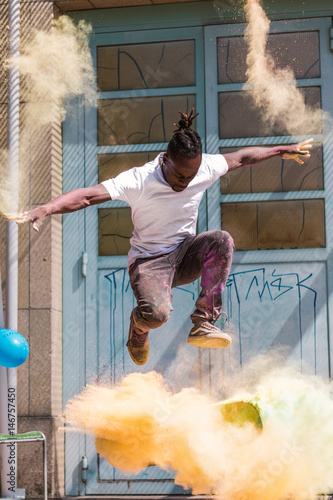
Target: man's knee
<point>223,240</point>
<point>156,315</point>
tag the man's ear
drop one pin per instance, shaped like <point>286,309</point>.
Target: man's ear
<point>165,158</point>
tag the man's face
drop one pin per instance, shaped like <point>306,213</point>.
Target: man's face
<point>180,171</point>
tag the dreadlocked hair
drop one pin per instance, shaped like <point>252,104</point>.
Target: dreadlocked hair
<point>185,141</point>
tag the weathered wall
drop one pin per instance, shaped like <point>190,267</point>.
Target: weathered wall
<point>40,284</point>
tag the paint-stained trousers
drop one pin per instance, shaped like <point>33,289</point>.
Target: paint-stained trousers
<point>208,255</point>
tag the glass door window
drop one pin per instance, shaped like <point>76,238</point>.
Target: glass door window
<point>260,222</point>
<point>141,88</point>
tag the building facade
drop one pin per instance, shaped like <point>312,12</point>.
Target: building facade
<point>152,59</point>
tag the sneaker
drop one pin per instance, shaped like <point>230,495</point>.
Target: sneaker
<point>206,334</point>
<point>138,345</point>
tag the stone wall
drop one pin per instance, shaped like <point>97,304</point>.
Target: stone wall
<point>40,278</point>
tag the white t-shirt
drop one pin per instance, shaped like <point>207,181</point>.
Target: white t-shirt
<point>162,218</point>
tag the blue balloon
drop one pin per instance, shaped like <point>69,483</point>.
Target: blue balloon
<point>14,349</point>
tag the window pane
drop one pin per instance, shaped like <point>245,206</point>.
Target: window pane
<point>115,229</point>
<point>271,225</point>
<point>110,165</point>
<point>239,118</point>
<point>287,50</point>
<point>146,65</point>
<point>140,120</point>
<point>276,175</point>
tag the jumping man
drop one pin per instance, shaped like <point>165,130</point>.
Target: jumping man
<point>164,196</point>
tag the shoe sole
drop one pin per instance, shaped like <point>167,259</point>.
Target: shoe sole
<point>210,340</point>
<point>139,361</point>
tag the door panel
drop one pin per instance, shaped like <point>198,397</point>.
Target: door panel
<point>168,351</point>
<point>280,306</point>
<point>109,302</point>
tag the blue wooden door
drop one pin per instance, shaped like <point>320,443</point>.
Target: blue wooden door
<point>279,290</point>
<point>143,79</point>
<point>155,74</point>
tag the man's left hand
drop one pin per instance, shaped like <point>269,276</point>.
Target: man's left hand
<point>295,150</point>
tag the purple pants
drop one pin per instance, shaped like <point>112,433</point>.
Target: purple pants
<point>208,255</point>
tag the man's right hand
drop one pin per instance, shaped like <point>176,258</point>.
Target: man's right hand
<point>36,216</point>
<point>77,199</point>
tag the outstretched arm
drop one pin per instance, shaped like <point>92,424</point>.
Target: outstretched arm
<point>63,204</point>
<point>253,155</point>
